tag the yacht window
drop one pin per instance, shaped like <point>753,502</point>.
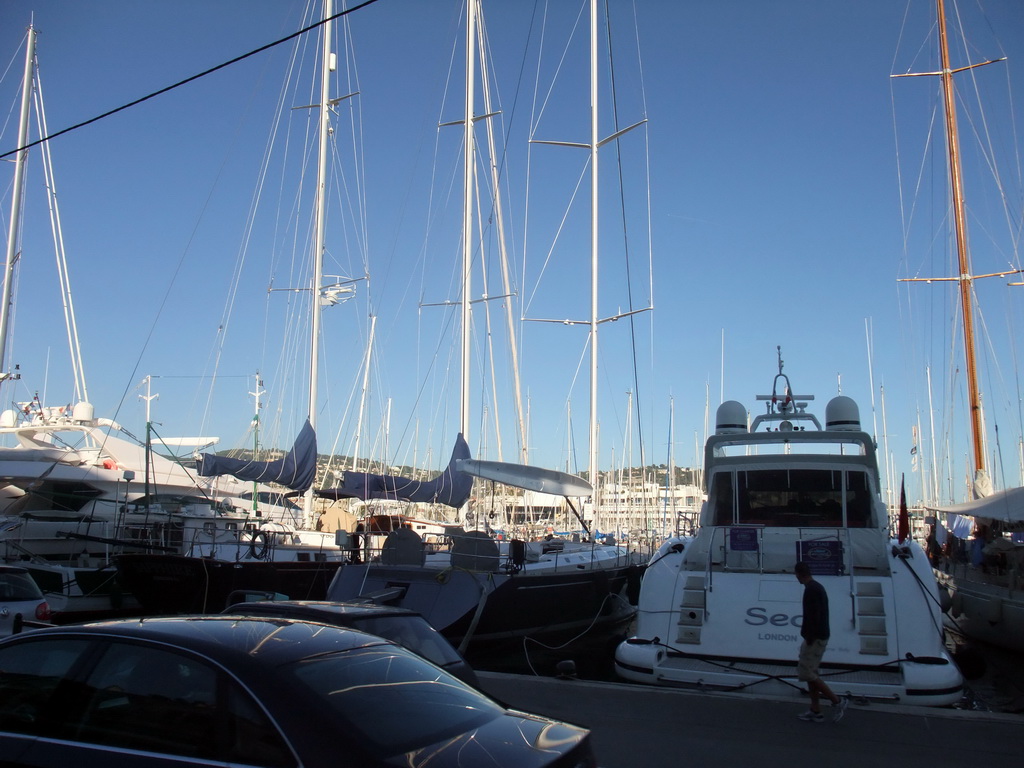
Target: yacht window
<point>53,496</point>
<point>858,500</point>
<point>791,497</point>
<point>721,499</point>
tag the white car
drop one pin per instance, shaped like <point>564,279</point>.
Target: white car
<point>21,602</point>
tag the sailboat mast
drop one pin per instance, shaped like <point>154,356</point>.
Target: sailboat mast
<point>467,215</point>
<point>960,222</point>
<point>18,191</point>
<point>257,394</point>
<point>362,396</point>
<point>965,280</point>
<point>593,455</point>
<point>318,245</point>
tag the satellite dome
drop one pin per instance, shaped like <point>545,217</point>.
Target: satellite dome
<point>83,412</point>
<point>842,415</point>
<point>731,418</point>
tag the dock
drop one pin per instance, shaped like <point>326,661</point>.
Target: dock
<point>636,726</point>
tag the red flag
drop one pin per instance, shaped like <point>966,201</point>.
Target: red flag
<point>903,529</point>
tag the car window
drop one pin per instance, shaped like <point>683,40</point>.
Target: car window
<point>29,679</point>
<point>416,635</point>
<point>395,699</point>
<point>18,586</point>
<point>29,674</point>
<point>154,699</point>
<point>252,738</point>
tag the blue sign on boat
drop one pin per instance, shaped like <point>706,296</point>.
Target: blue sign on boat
<point>743,539</point>
<point>824,558</point>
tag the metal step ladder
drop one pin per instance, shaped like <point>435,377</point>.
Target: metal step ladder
<point>871,620</point>
<point>692,611</point>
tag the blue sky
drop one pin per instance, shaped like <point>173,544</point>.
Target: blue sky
<point>776,218</point>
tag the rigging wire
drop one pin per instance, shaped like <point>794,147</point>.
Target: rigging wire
<point>625,236</point>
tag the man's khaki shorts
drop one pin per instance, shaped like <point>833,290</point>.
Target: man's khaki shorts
<point>810,658</point>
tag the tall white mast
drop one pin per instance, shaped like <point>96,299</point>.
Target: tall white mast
<point>363,395</point>
<point>257,394</point>
<point>18,192</point>
<point>63,274</point>
<point>467,215</point>
<point>593,455</point>
<point>499,223</point>
<point>593,146</point>
<point>318,245</point>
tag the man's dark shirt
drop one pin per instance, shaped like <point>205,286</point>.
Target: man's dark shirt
<point>815,620</point>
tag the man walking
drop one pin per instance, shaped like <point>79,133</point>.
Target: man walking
<point>815,634</point>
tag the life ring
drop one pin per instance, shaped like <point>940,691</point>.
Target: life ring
<point>259,547</point>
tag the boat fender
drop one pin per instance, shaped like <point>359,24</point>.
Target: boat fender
<point>933,660</point>
<point>259,545</point>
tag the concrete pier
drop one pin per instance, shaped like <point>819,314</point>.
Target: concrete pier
<point>646,727</point>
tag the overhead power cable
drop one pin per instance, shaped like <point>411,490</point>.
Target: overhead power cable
<point>189,79</point>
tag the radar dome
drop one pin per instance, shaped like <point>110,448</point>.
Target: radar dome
<point>83,412</point>
<point>731,418</point>
<point>842,415</point>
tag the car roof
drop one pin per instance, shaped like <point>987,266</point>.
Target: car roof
<point>323,607</point>
<point>272,640</point>
<point>13,569</point>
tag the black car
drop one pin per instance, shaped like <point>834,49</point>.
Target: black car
<point>399,625</point>
<point>266,692</point>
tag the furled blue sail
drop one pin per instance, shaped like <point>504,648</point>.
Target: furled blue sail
<point>451,487</point>
<point>296,469</point>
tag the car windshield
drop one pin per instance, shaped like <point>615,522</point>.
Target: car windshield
<point>18,585</point>
<point>398,701</point>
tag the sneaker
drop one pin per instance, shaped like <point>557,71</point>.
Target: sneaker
<point>839,709</point>
<point>812,717</point>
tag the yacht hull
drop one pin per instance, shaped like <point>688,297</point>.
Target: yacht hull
<point>989,612</point>
<point>174,584</point>
<point>491,607</point>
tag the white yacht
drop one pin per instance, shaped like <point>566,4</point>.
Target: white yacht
<point>75,491</point>
<point>722,610</point>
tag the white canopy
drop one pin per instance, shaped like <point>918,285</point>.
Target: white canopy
<point>527,477</point>
<point>1007,506</point>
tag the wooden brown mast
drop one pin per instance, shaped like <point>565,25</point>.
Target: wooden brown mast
<point>965,278</point>
<point>960,220</point>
